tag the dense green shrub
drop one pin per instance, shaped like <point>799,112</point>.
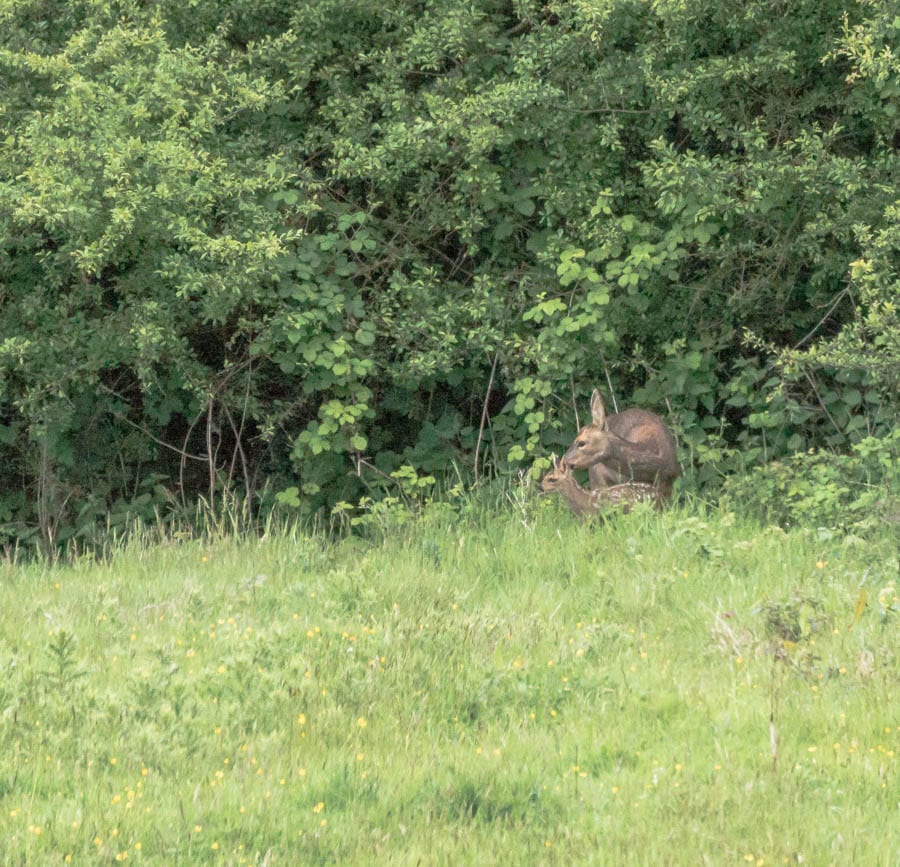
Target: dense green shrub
<point>313,245</point>
<point>856,491</point>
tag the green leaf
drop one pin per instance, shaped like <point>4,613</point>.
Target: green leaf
<point>516,453</point>
<point>289,497</point>
<point>525,207</point>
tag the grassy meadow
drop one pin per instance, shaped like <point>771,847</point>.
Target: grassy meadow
<point>493,684</point>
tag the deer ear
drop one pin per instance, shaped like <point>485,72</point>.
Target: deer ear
<point>553,459</point>
<point>598,411</point>
<point>563,465</point>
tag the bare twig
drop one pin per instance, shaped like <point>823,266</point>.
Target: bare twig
<point>362,462</point>
<point>184,456</point>
<point>518,29</point>
<point>211,456</point>
<point>238,451</point>
<point>484,412</point>
<point>575,403</point>
<point>122,417</point>
<point>815,389</point>
<point>612,393</point>
<point>837,300</point>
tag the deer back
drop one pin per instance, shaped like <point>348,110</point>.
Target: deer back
<point>627,494</point>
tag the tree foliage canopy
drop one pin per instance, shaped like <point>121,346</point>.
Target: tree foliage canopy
<point>319,242</point>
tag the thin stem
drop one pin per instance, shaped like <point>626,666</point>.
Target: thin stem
<point>484,412</point>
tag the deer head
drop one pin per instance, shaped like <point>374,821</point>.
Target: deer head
<point>593,442</point>
<point>557,478</point>
<point>561,481</point>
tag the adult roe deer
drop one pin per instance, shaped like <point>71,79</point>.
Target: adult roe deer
<point>561,481</point>
<point>633,445</point>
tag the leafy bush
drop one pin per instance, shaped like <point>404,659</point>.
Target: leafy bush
<point>825,489</point>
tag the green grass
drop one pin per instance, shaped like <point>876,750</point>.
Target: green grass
<point>500,685</point>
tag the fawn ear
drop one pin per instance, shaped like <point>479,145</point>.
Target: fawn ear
<point>563,465</point>
<point>598,411</point>
<point>553,459</point>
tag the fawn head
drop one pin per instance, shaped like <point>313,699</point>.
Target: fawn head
<point>556,478</point>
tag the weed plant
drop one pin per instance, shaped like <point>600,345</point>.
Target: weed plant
<point>490,682</point>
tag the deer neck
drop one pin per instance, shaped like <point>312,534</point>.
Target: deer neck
<point>631,460</point>
<point>581,501</point>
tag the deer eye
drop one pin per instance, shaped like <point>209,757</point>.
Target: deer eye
<point>580,444</point>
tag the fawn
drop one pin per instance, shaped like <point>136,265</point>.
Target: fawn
<point>561,481</point>
<point>631,446</point>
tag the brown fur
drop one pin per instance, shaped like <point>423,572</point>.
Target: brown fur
<point>582,502</point>
<point>634,445</point>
